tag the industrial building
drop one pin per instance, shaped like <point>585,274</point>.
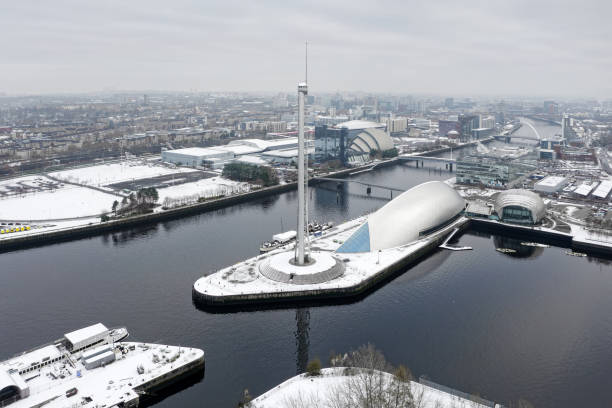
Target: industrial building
<point>478,170</point>
<point>550,184</point>
<point>197,156</point>
<point>286,156</point>
<point>603,190</point>
<point>519,206</point>
<point>414,214</point>
<point>216,157</point>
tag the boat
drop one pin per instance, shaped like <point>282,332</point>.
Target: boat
<point>572,253</point>
<point>93,367</point>
<point>278,240</point>
<point>535,244</point>
<point>284,238</point>
<point>506,250</point>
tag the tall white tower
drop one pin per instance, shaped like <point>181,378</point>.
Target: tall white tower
<point>301,180</point>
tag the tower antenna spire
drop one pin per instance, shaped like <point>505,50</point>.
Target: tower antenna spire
<point>306,78</point>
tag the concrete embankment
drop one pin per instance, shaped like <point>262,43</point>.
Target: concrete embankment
<point>330,295</point>
<point>555,238</point>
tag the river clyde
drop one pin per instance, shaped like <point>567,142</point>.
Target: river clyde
<point>533,325</point>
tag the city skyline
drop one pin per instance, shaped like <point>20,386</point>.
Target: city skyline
<point>477,48</point>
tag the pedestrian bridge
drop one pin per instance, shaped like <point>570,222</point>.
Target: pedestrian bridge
<point>407,157</point>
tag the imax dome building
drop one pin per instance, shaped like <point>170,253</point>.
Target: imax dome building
<point>414,214</point>
<point>520,206</point>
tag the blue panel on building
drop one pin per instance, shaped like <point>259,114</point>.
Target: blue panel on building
<point>358,242</point>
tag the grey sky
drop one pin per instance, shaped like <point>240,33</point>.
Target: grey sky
<point>443,47</point>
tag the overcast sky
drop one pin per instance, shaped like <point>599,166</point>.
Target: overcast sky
<point>449,47</point>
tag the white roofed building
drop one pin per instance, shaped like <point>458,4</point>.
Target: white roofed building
<point>413,215</point>
<point>520,206</point>
<point>550,184</point>
<point>87,336</point>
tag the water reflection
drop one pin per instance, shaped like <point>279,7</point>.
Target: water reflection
<point>521,251</point>
<point>135,233</point>
<point>181,384</point>
<point>302,339</point>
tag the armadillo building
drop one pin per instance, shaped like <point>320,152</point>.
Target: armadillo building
<point>413,215</point>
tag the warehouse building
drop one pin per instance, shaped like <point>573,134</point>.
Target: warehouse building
<point>196,156</point>
<point>550,184</point>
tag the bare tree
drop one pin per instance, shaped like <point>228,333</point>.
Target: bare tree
<point>370,383</point>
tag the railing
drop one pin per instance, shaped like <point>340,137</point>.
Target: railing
<point>458,393</point>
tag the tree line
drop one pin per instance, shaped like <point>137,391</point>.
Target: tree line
<point>262,175</point>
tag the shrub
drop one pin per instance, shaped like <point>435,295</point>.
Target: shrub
<point>314,367</point>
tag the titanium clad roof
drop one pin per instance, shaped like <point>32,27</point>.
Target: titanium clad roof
<point>402,220</point>
<point>521,198</point>
<point>372,139</point>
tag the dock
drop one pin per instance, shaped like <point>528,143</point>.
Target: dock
<point>451,247</point>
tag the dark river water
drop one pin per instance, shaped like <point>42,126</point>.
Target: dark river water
<point>536,326</point>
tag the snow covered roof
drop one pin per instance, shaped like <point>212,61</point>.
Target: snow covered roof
<point>603,190</point>
<point>35,356</point>
<point>199,151</point>
<point>551,181</point>
<point>359,124</point>
<point>287,153</point>
<point>251,160</point>
<point>85,333</point>
<point>584,189</point>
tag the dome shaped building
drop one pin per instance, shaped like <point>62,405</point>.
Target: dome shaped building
<point>520,206</point>
<point>414,214</point>
<point>370,140</point>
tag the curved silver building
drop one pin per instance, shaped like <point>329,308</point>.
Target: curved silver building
<point>414,214</point>
<point>371,139</point>
<point>520,206</point>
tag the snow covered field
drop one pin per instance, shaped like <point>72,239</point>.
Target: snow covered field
<point>304,391</point>
<point>203,188</point>
<point>65,202</point>
<point>106,174</point>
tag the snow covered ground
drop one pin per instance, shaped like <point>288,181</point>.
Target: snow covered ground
<point>306,392</point>
<point>111,173</point>
<point>188,193</point>
<point>65,202</point>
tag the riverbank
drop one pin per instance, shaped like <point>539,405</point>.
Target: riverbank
<point>86,227</point>
<point>324,388</point>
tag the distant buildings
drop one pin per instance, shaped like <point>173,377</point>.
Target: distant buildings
<point>447,126</point>
<point>463,125</point>
<point>216,157</point>
<point>485,171</point>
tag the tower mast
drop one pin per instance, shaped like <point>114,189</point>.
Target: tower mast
<point>302,92</point>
